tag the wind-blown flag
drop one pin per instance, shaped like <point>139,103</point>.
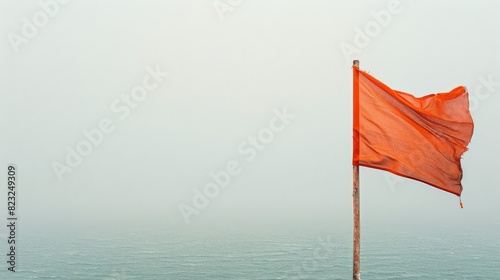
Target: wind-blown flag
<point>419,138</point>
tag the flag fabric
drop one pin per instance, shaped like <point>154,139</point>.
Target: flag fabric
<point>422,138</point>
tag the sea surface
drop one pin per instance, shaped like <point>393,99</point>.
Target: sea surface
<point>178,255</point>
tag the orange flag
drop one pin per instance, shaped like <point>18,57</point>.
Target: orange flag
<point>419,138</point>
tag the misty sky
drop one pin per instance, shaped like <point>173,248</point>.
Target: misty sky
<point>180,89</point>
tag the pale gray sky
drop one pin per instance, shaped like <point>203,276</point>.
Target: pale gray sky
<point>233,68</point>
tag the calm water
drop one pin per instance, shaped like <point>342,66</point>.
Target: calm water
<point>169,255</point>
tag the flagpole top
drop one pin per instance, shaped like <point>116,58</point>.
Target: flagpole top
<point>355,63</point>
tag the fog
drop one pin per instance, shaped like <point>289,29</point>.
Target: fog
<point>116,113</point>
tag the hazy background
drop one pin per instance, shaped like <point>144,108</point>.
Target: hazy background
<point>226,77</point>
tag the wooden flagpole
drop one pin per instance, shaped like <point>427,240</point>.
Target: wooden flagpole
<point>355,193</point>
